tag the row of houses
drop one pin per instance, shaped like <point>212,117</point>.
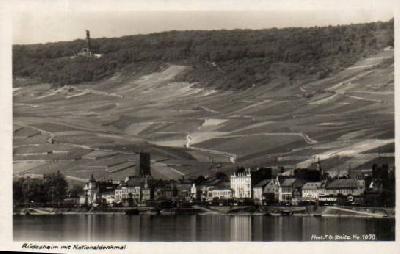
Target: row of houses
<point>261,186</point>
<point>312,185</point>
<point>282,189</point>
<point>294,191</point>
<point>134,191</point>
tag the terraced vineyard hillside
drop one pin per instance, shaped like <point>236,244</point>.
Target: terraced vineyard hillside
<point>345,119</point>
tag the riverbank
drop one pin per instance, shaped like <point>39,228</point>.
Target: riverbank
<point>325,211</point>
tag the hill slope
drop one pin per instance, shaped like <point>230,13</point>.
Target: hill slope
<point>347,119</point>
<point>232,60</point>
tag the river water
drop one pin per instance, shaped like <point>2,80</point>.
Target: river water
<point>194,228</point>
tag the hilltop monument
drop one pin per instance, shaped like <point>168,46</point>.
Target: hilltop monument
<point>88,51</point>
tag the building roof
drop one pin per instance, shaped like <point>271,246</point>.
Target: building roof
<point>121,186</point>
<point>271,182</point>
<point>106,186</point>
<point>288,172</point>
<point>343,184</point>
<point>183,186</point>
<point>212,182</point>
<point>312,186</point>
<point>108,193</point>
<point>288,182</point>
<point>298,183</point>
<point>221,187</point>
<point>131,181</point>
<point>262,183</point>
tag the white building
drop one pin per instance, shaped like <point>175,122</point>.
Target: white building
<point>83,200</point>
<point>241,184</point>
<point>124,192</point>
<point>92,194</point>
<point>286,190</point>
<point>312,190</point>
<point>109,198</point>
<point>97,192</point>
<point>219,192</point>
<point>193,192</point>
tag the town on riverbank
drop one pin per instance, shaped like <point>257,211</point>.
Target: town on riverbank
<point>252,191</point>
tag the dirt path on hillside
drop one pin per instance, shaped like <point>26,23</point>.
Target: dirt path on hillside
<point>348,151</point>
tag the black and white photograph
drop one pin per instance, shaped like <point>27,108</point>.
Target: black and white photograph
<point>211,125</point>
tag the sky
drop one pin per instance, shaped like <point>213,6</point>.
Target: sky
<point>67,20</point>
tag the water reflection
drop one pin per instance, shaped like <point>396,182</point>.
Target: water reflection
<point>241,228</point>
<point>192,228</point>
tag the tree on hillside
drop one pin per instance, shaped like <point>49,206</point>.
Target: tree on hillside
<point>235,59</point>
<point>56,187</point>
<point>18,194</point>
